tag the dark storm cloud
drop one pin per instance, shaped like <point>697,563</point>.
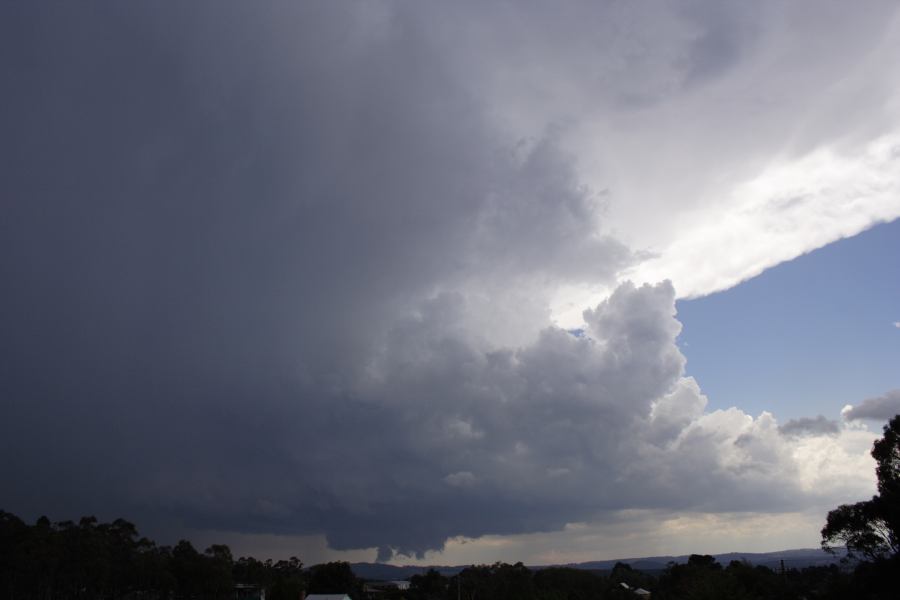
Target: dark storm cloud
<point>277,269</point>
<point>212,216</point>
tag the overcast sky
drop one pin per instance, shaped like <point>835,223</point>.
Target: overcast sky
<point>399,279</point>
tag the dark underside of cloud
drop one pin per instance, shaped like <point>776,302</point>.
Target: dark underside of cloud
<point>880,408</point>
<point>809,426</point>
<point>276,269</point>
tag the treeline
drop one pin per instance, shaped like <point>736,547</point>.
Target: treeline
<point>92,560</point>
<point>106,561</point>
<point>701,578</point>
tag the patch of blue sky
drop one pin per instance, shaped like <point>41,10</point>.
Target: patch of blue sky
<point>805,337</point>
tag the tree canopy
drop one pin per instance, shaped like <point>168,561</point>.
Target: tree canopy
<point>105,561</point>
<point>871,529</point>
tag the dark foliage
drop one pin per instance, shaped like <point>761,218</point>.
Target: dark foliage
<point>334,578</point>
<point>430,586</point>
<point>871,529</point>
<point>92,560</point>
<point>700,578</point>
<point>48,561</point>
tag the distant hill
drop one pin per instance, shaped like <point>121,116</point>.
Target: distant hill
<point>382,572</point>
<point>793,559</point>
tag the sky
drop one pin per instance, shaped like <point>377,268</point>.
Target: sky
<point>449,282</point>
<point>819,331</point>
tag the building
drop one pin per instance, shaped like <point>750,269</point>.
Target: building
<point>248,591</point>
<point>375,587</point>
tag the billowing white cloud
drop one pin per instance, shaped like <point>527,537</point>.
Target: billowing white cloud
<point>790,208</point>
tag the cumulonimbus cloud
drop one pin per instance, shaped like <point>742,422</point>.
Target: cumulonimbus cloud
<point>290,269</point>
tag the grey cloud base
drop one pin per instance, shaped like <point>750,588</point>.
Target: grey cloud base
<point>881,408</point>
<point>220,224</point>
<point>807,426</point>
<point>438,438</point>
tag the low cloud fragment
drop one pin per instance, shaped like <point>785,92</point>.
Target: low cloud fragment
<point>879,408</point>
<point>810,426</point>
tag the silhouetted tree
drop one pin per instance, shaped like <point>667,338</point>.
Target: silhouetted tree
<point>287,579</point>
<point>109,561</point>
<point>623,573</point>
<point>700,579</point>
<point>872,528</point>
<point>430,586</point>
<point>334,578</point>
<point>564,583</point>
<point>249,570</point>
<point>188,569</point>
<point>218,582</point>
